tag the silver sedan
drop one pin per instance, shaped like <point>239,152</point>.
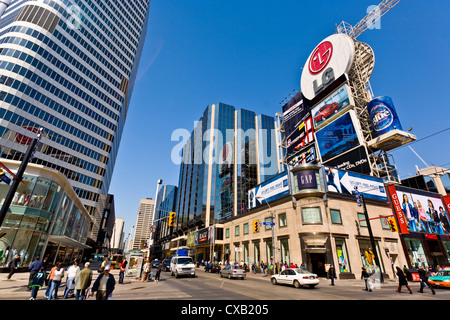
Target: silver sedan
<point>232,272</point>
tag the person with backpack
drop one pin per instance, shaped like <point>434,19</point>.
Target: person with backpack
<point>37,282</point>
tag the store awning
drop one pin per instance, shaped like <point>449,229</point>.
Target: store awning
<point>67,241</point>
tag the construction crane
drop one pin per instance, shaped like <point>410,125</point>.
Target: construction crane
<point>369,20</point>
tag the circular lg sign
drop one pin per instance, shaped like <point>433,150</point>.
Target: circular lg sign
<point>329,60</point>
<point>320,58</point>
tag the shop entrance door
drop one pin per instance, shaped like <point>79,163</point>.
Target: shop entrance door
<point>318,264</point>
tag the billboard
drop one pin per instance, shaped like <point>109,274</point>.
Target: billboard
<point>383,115</point>
<point>301,138</point>
<point>423,211</point>
<point>344,182</point>
<point>332,58</point>
<point>269,190</point>
<point>356,160</point>
<point>337,137</point>
<point>297,122</point>
<point>294,113</point>
<point>306,156</point>
<point>329,108</point>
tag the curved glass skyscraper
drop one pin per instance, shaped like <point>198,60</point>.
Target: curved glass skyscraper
<point>69,67</point>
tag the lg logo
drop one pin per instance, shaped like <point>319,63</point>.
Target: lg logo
<point>320,59</point>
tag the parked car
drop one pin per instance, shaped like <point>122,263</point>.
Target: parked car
<point>232,272</point>
<point>165,266</point>
<point>296,277</point>
<point>212,267</point>
<point>441,279</point>
<point>326,111</point>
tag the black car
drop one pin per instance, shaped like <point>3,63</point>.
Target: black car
<point>212,267</point>
<point>165,265</point>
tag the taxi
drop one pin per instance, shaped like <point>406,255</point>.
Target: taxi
<point>441,278</point>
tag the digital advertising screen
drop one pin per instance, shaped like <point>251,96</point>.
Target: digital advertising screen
<point>337,137</point>
<point>328,109</point>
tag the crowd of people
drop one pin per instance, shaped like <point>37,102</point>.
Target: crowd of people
<point>78,282</point>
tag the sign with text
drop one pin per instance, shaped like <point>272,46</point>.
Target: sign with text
<point>269,190</point>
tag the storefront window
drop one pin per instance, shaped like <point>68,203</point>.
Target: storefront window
<point>367,255</point>
<point>56,199</point>
<point>246,257</point>
<point>256,252</point>
<point>23,193</point>
<point>447,249</point>
<point>50,195</point>
<point>416,253</point>
<point>342,255</point>
<point>269,251</point>
<point>285,251</point>
<point>39,193</point>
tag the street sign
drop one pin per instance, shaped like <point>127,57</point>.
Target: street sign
<point>268,223</point>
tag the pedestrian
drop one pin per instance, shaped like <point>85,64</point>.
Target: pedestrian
<point>72,273</point>
<point>82,282</point>
<point>158,273</point>
<point>49,280</point>
<point>104,285</point>
<point>365,276</point>
<point>402,281</point>
<point>423,275</point>
<point>37,282</point>
<point>13,265</point>
<point>34,268</point>
<point>331,274</point>
<point>123,267</point>
<point>56,282</point>
<point>145,270</point>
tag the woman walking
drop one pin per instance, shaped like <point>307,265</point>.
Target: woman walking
<point>56,282</point>
<point>402,280</point>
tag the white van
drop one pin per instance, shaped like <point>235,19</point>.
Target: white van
<point>182,265</point>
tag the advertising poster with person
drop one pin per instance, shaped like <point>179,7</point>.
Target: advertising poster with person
<point>424,211</point>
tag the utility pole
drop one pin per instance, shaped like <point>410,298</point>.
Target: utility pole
<point>19,175</point>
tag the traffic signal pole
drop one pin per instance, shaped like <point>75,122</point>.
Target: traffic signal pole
<point>372,240</point>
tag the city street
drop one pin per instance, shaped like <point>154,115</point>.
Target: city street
<point>207,286</point>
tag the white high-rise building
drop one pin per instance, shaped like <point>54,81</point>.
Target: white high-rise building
<point>143,223</point>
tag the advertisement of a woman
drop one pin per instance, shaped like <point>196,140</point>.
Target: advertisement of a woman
<point>411,213</point>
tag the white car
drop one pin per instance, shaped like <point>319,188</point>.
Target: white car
<point>296,277</point>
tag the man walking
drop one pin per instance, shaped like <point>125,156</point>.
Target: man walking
<point>13,266</point>
<point>83,282</point>
<point>423,275</point>
<point>34,268</point>
<point>104,285</point>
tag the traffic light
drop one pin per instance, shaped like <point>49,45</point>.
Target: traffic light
<point>393,225</point>
<point>255,226</point>
<point>172,219</point>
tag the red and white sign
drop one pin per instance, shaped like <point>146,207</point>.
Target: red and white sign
<point>332,58</point>
<point>403,223</point>
<point>447,204</point>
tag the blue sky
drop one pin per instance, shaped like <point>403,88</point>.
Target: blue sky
<point>249,54</point>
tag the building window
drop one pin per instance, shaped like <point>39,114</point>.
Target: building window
<point>282,222</point>
<point>385,223</point>
<point>311,216</point>
<point>236,231</point>
<point>268,227</point>
<point>362,220</point>
<point>245,228</point>
<point>335,216</point>
<point>227,233</point>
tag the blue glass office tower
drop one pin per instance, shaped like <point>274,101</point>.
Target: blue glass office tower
<point>229,152</point>
<point>69,67</point>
